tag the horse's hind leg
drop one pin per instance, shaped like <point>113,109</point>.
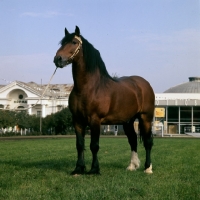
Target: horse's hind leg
<point>132,139</point>
<point>146,134</point>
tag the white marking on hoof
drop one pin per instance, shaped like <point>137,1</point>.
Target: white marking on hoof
<point>135,162</point>
<point>149,170</point>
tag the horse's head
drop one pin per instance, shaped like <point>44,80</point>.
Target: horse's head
<point>70,46</point>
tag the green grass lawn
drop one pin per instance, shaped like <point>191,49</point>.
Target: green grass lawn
<point>40,169</point>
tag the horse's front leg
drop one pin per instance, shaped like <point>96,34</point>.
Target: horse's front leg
<point>94,147</point>
<point>80,146</point>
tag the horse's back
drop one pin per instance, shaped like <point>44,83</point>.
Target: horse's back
<point>137,83</point>
<point>143,90</point>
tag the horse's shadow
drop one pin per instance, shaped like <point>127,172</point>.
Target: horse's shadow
<point>51,164</point>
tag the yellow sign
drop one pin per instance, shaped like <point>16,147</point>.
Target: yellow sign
<point>159,112</point>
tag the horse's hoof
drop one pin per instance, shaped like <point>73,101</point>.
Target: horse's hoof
<point>132,167</point>
<point>135,162</point>
<point>149,170</point>
<point>78,171</point>
<point>94,172</point>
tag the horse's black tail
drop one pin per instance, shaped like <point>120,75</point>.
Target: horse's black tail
<point>145,136</point>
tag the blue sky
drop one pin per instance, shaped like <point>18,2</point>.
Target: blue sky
<point>158,40</point>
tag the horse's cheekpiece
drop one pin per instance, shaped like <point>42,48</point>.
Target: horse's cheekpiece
<point>97,98</point>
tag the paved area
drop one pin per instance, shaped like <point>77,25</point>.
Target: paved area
<point>193,134</point>
<point>23,137</point>
<point>188,135</point>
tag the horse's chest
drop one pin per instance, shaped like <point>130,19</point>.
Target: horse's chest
<point>80,104</point>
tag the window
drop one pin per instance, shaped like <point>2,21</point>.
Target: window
<point>185,114</point>
<point>196,114</point>
<point>173,114</point>
<point>20,96</point>
<point>39,113</point>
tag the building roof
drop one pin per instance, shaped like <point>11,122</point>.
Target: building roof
<point>193,86</point>
<point>59,90</point>
<point>54,90</point>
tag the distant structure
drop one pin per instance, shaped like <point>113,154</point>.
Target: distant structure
<point>19,95</point>
<point>178,108</point>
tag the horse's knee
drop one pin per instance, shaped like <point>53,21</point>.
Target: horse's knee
<point>80,144</point>
<point>94,147</point>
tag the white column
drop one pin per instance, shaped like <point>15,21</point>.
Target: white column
<point>179,120</point>
<point>43,110</point>
<point>30,109</point>
<point>192,121</point>
<point>167,118</point>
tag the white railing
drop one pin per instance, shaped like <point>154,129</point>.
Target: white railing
<point>157,129</point>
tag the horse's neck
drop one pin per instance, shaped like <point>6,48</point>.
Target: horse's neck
<point>83,79</point>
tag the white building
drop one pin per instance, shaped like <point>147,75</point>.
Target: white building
<point>177,109</point>
<point>19,96</point>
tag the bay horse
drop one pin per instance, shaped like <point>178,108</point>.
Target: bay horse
<point>97,98</point>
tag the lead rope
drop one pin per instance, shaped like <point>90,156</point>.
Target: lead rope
<point>43,92</point>
<point>41,95</point>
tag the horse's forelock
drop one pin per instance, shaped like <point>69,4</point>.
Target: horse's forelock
<point>67,38</point>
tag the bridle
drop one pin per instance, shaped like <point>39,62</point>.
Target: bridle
<point>70,59</point>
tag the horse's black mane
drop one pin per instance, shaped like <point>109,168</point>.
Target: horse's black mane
<point>91,55</point>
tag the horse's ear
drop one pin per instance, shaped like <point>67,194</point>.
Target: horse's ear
<point>77,31</point>
<point>66,32</point>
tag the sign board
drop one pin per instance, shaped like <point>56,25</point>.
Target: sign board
<point>159,112</point>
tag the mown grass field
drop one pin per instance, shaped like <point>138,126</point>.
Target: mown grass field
<point>40,169</point>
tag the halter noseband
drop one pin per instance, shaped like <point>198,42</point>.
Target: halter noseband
<point>77,49</point>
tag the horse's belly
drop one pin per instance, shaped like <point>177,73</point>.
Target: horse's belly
<point>113,120</point>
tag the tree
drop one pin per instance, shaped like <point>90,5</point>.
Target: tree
<point>60,122</point>
<point>34,123</point>
<point>7,119</point>
<point>48,124</point>
<point>22,119</point>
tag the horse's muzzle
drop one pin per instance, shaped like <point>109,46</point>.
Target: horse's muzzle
<point>60,62</point>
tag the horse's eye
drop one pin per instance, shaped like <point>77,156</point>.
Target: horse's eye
<point>73,42</point>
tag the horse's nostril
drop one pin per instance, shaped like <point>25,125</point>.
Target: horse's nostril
<point>57,59</point>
